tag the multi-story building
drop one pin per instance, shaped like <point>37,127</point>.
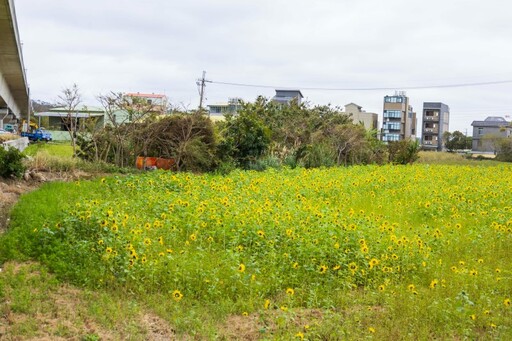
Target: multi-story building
<point>368,119</point>
<point>436,119</point>
<point>155,103</point>
<point>221,109</point>
<point>399,119</point>
<point>286,96</point>
<point>487,132</point>
<point>136,106</point>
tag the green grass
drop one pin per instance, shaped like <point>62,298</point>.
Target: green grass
<point>64,150</point>
<point>58,157</point>
<point>445,158</point>
<point>35,305</point>
<point>383,252</point>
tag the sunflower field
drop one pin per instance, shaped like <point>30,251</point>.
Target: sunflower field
<point>420,251</point>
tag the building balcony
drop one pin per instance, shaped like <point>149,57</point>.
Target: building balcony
<point>431,118</point>
<point>432,131</point>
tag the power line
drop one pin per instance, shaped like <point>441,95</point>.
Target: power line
<point>459,85</point>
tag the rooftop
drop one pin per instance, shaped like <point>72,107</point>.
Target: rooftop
<point>287,92</point>
<point>491,121</point>
<point>82,109</point>
<point>64,114</point>
<point>495,119</point>
<point>138,94</point>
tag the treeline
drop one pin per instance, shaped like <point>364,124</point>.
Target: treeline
<point>262,134</point>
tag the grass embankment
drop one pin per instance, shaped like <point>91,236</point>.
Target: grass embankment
<point>445,158</point>
<point>58,157</point>
<point>392,252</point>
<point>56,149</point>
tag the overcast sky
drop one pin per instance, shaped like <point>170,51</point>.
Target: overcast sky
<point>162,46</point>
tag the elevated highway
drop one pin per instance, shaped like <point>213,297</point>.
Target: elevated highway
<point>14,92</point>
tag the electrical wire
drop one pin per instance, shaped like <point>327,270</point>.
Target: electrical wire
<point>440,86</point>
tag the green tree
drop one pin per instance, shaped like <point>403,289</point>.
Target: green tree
<point>292,125</point>
<point>403,152</point>
<point>456,141</point>
<point>244,138</point>
<point>504,150</point>
<point>347,142</point>
<point>492,141</point>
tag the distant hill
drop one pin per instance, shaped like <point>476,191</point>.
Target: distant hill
<point>40,105</point>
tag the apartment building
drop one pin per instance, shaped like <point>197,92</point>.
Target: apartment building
<point>488,131</point>
<point>358,116</point>
<point>286,96</point>
<point>436,119</point>
<point>156,103</point>
<point>399,118</point>
<point>221,109</point>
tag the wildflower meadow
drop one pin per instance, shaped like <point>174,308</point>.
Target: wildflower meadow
<point>417,251</point>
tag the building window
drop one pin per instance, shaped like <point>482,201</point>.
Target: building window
<point>391,126</point>
<point>392,114</point>
<point>393,99</point>
<point>215,110</point>
<point>480,131</point>
<point>391,137</point>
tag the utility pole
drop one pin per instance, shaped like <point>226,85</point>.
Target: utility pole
<point>201,84</point>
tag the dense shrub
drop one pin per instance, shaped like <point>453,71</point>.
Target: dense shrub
<point>187,138</point>
<point>403,152</point>
<point>11,163</point>
<point>245,139</point>
<point>318,155</point>
<point>504,150</point>
<point>260,135</point>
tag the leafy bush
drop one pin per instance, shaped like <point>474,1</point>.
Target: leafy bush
<point>505,150</point>
<point>187,138</point>
<point>11,163</point>
<point>245,139</point>
<point>403,152</point>
<point>318,155</point>
<point>265,163</point>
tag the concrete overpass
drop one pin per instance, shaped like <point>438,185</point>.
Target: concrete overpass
<point>14,92</point>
